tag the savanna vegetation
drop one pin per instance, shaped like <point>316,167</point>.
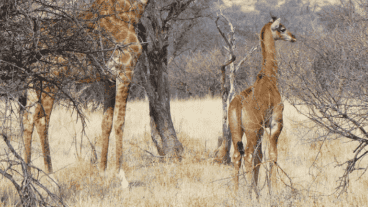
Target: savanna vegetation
<point>322,78</point>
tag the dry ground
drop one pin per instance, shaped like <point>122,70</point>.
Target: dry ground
<point>195,181</point>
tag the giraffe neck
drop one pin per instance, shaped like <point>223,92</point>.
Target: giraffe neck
<point>120,16</point>
<point>269,63</point>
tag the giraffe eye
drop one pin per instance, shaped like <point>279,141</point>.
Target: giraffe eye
<point>283,30</point>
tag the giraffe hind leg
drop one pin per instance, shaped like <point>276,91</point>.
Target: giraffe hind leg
<point>28,126</point>
<point>236,136</point>
<point>30,97</point>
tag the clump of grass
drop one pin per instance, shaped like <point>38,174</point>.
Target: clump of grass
<point>8,194</point>
<point>84,180</point>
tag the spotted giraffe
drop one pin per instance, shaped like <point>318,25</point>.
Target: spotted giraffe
<point>119,17</point>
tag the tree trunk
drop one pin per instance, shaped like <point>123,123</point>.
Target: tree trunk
<point>153,66</point>
<point>222,153</point>
<point>223,150</point>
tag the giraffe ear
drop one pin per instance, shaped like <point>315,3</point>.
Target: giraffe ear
<point>275,25</point>
<point>273,19</point>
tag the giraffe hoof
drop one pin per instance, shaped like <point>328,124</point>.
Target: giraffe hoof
<point>124,181</point>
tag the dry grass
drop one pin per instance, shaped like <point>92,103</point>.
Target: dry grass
<point>194,181</point>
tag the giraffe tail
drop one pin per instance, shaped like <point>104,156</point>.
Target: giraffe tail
<point>240,148</point>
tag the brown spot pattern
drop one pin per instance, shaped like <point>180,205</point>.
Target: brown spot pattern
<point>119,25</point>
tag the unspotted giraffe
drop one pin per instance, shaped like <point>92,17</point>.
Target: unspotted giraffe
<point>258,107</point>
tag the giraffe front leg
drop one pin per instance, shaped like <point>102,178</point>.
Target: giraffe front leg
<point>42,122</point>
<point>122,67</point>
<point>107,120</point>
<point>257,161</point>
<point>122,92</point>
<point>275,130</point>
<point>249,159</point>
<point>42,128</point>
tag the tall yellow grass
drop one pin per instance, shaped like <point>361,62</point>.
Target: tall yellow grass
<point>195,181</point>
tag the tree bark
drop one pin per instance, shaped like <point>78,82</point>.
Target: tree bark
<point>153,64</point>
<point>224,142</point>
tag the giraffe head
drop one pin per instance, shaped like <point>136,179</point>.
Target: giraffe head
<point>279,31</point>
